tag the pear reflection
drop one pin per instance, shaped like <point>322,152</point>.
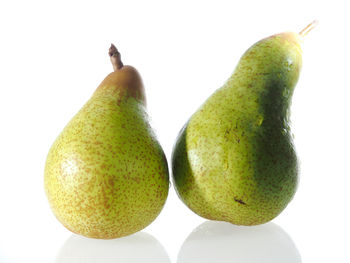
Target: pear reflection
<point>139,247</point>
<point>225,243</point>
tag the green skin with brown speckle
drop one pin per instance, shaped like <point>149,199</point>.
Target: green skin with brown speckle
<point>234,160</point>
<point>106,175</point>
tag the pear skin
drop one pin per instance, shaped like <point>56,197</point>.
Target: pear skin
<point>234,160</point>
<point>106,175</point>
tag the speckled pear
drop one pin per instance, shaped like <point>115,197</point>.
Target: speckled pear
<point>106,175</point>
<point>234,160</point>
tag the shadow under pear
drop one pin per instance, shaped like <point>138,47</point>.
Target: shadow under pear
<point>136,248</point>
<point>223,242</point>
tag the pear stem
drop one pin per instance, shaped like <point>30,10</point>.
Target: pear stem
<point>308,28</point>
<point>115,58</point>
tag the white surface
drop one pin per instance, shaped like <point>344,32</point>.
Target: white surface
<point>53,54</point>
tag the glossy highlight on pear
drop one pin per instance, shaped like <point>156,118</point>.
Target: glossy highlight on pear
<point>106,175</point>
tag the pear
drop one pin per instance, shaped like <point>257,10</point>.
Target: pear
<point>106,175</point>
<point>234,160</point>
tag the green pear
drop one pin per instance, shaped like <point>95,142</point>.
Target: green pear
<point>106,175</point>
<point>234,160</point>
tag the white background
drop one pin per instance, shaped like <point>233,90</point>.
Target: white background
<point>53,54</point>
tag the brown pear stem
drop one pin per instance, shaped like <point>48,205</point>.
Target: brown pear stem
<point>308,28</point>
<point>115,58</point>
